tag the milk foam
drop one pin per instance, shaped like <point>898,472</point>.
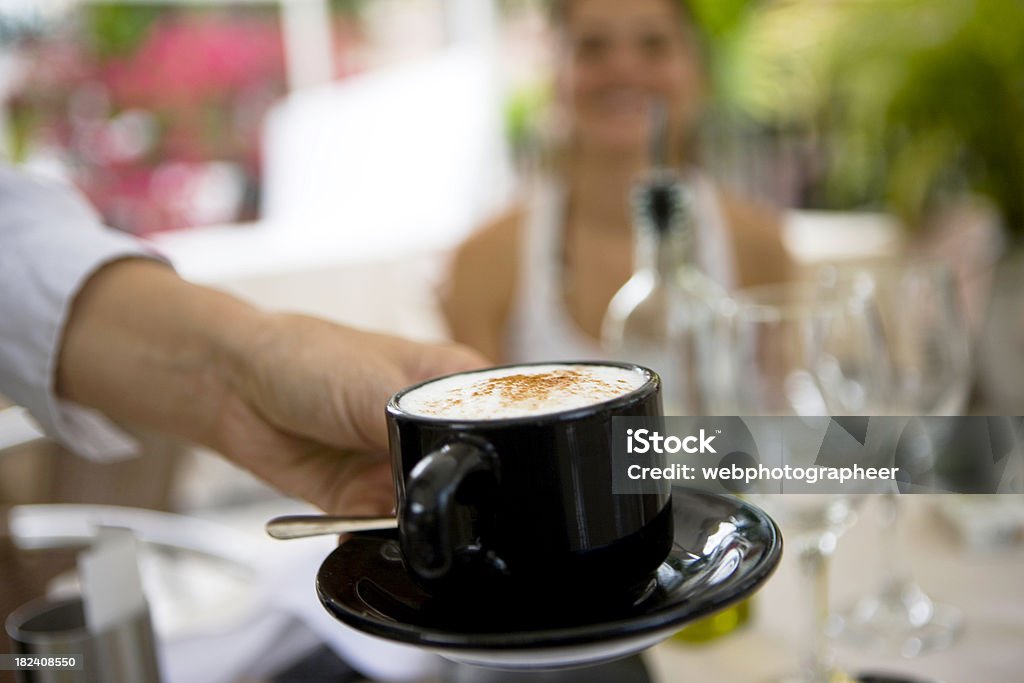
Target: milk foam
<point>521,391</point>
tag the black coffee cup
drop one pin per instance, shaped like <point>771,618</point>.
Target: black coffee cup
<point>523,506</point>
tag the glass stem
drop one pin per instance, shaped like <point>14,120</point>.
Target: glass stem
<point>894,573</point>
<point>814,567</point>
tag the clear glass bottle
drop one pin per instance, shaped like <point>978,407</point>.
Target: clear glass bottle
<point>659,318</point>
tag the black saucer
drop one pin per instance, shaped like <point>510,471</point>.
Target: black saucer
<point>724,550</point>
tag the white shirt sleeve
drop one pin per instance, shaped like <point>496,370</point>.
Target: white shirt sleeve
<point>51,242</point>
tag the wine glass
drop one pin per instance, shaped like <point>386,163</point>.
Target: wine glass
<point>930,371</point>
<point>801,350</point>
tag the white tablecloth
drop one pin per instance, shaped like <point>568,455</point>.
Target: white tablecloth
<point>988,588</point>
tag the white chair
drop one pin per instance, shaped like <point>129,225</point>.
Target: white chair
<point>400,159</point>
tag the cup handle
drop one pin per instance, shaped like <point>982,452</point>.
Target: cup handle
<point>433,531</point>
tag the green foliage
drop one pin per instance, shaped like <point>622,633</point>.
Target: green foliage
<point>719,19</point>
<point>346,8</point>
<point>915,96</point>
<point>721,25</point>
<point>522,110</point>
<point>116,30</point>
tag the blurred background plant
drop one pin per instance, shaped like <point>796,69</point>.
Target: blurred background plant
<point>154,111</point>
<point>904,104</point>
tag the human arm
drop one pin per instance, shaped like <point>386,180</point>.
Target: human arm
<point>289,397</point>
<point>761,256</point>
<point>51,242</point>
<point>481,283</point>
<point>94,331</point>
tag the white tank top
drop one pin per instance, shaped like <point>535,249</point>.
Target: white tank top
<point>540,326</point>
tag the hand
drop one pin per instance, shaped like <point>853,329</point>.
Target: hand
<point>289,397</point>
<point>308,413</point>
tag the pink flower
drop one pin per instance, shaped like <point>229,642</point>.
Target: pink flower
<point>186,61</point>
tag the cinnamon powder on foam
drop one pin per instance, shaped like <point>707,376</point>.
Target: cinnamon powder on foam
<point>523,391</point>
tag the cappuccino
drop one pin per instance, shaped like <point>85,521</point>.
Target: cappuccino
<point>521,391</point>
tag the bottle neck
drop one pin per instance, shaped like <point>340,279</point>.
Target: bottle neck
<point>663,229</point>
<point>662,253</point>
<point>663,218</point>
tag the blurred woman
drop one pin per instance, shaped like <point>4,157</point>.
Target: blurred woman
<point>534,283</point>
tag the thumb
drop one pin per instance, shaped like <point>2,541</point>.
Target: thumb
<point>435,360</point>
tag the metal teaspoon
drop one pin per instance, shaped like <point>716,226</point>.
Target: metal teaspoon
<point>304,526</point>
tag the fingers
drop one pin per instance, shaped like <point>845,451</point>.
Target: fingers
<point>445,359</point>
<point>346,483</point>
<point>400,363</point>
<point>337,481</point>
<point>305,381</point>
<point>369,490</point>
<point>359,398</point>
<point>327,477</point>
